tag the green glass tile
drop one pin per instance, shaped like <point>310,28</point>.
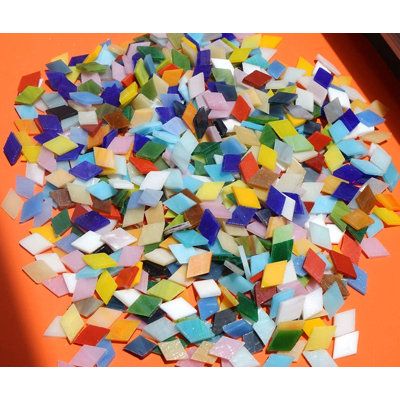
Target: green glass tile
<point>92,67</point>
<point>163,65</point>
<point>104,109</point>
<point>232,198</point>
<point>266,243</point>
<point>339,210</point>
<point>161,164</point>
<point>144,305</point>
<point>223,75</point>
<point>229,43</point>
<point>76,230</point>
<point>175,39</point>
<point>262,120</point>
<point>179,219</point>
<point>165,289</point>
<point>155,52</point>
<point>120,198</point>
<point>149,90</point>
<point>90,86</point>
<point>140,71</point>
<point>317,111</point>
<point>284,340</point>
<point>298,143</point>
<point>199,168</point>
<point>282,251</point>
<point>282,233</point>
<point>304,280</point>
<point>247,307</point>
<point>357,235</point>
<point>150,247</point>
<point>30,95</point>
<point>180,60</point>
<point>61,222</point>
<point>151,151</point>
<point>128,112</point>
<point>268,136</point>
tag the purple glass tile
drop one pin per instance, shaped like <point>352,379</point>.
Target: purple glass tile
<point>349,173</point>
<point>323,78</point>
<point>209,226</point>
<point>109,137</point>
<point>230,162</point>
<point>349,119</point>
<point>45,214</point>
<point>203,57</point>
<point>345,192</point>
<point>298,208</point>
<point>12,149</point>
<point>77,60</point>
<point>85,170</point>
<point>45,136</point>
<point>71,155</point>
<point>167,99</point>
<point>91,221</point>
<point>275,200</point>
<point>165,113</point>
<point>110,95</point>
<point>139,142</point>
<point>242,216</point>
<point>49,123</point>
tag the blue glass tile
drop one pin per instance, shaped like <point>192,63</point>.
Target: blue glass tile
<point>140,347</point>
<point>278,360</point>
<point>12,149</point>
<point>323,77</point>
<point>108,356</point>
<point>277,299</point>
<point>333,299</point>
<point>369,118</point>
<point>236,283</point>
<point>24,186</point>
<point>195,330</point>
<point>360,283</point>
<point>242,216</point>
<point>230,163</point>
<point>207,307</point>
<point>91,221</point>
<point>345,192</point>
<point>349,119</point>
<point>209,226</point>
<point>237,329</point>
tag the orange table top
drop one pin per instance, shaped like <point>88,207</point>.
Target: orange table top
<point>26,309</point>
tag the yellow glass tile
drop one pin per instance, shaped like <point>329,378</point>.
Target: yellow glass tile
<point>388,201</point>
<point>252,41</point>
<point>24,139</point>
<point>341,80</point>
<point>122,330</point>
<point>389,217</point>
<point>189,43</point>
<point>301,246</point>
<point>270,41</point>
<point>333,158</point>
<point>357,104</point>
<point>167,242</point>
<point>267,157</point>
<point>209,191</point>
<point>128,94</point>
<point>331,183</point>
<point>295,121</point>
<point>60,178</point>
<point>320,338</point>
<point>104,158</point>
<point>93,55</point>
<point>138,276</point>
<point>71,322</point>
<point>73,75</point>
<point>60,145</point>
<point>47,232</point>
<point>302,63</point>
<point>246,197</point>
<point>27,125</point>
<point>99,260</point>
<point>64,57</point>
<point>273,274</point>
<point>283,128</point>
<point>106,286</point>
<point>310,324</point>
<point>202,353</point>
<point>228,297</point>
<point>239,55</point>
<point>31,153</point>
<point>291,325</point>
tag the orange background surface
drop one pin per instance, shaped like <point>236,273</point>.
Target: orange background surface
<point>26,309</point>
